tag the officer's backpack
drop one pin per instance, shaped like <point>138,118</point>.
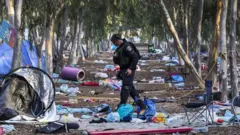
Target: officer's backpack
<point>135,49</point>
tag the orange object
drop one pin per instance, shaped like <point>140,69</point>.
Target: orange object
<point>159,118</point>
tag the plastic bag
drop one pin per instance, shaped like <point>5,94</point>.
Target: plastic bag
<point>125,112</point>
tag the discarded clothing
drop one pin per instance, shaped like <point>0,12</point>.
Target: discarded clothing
<point>101,120</point>
<point>102,108</point>
<point>66,110</point>
<point>7,128</point>
<point>57,127</point>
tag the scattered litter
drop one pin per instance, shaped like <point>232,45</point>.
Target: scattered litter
<point>200,130</point>
<point>113,117</point>
<point>90,84</point>
<point>71,91</point>
<point>101,75</point>
<point>7,128</point>
<point>109,68</point>
<point>114,84</point>
<point>92,92</point>
<point>179,84</point>
<point>165,58</point>
<point>55,75</point>
<point>100,61</point>
<point>102,108</point>
<point>157,70</point>
<point>86,116</point>
<point>68,118</point>
<point>159,79</point>
<point>67,110</point>
<point>137,120</point>
<point>159,118</point>
<point>73,100</point>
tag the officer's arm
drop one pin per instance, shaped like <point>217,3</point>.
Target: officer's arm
<point>132,55</point>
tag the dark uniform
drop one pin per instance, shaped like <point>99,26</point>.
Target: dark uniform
<point>127,58</point>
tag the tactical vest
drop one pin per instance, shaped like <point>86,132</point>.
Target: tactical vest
<point>119,58</point>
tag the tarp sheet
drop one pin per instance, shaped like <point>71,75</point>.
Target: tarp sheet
<point>29,56</point>
<point>177,78</point>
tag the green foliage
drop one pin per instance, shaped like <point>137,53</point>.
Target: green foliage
<point>102,17</point>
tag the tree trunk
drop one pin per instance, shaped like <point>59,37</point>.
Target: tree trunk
<point>49,47</point>
<point>51,18</point>
<point>180,48</point>
<point>175,23</point>
<point>199,38</point>
<point>63,38</point>
<point>213,53</point>
<point>223,48</point>
<point>40,49</point>
<point>80,48</point>
<point>186,3</point>
<point>92,46</point>
<point>233,61</point>
<point>17,57</point>
<point>73,59</point>
<point>1,10</point>
<point>10,7</point>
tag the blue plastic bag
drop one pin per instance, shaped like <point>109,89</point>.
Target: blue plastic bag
<point>125,112</point>
<point>113,117</point>
<point>150,110</point>
<point>177,78</point>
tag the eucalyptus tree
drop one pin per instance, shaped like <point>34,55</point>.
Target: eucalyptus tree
<point>200,4</point>
<point>213,53</point>
<point>14,17</point>
<point>223,51</point>
<point>233,61</point>
<point>179,46</point>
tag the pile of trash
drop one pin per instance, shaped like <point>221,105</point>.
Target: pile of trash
<point>71,91</point>
<point>171,61</point>
<point>114,84</point>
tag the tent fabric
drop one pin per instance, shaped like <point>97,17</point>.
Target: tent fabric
<point>6,54</point>
<point>28,90</point>
<point>29,56</point>
<point>177,78</point>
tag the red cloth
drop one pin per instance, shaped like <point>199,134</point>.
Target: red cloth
<point>90,84</point>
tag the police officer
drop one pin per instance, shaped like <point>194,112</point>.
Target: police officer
<point>126,56</point>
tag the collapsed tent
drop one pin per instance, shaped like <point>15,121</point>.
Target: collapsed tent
<point>29,56</point>
<point>28,91</point>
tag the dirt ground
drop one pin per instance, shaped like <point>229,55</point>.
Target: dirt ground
<point>106,95</point>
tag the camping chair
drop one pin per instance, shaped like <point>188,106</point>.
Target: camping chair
<point>197,105</point>
<point>235,103</point>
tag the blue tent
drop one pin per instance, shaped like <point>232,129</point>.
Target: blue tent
<point>29,56</point>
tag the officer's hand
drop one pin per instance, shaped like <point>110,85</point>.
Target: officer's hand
<point>129,72</point>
